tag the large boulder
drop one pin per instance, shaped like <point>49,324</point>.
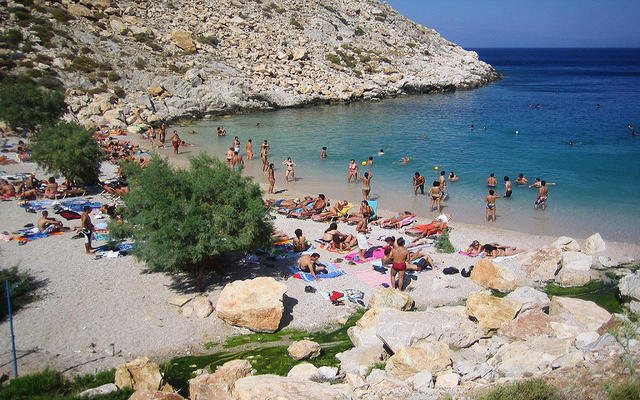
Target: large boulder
<point>99,391</point>
<point>253,303</point>
<point>219,385</point>
<point>359,360</point>
<point>530,298</point>
<point>447,380</point>
<point>575,269</point>
<point>529,357</point>
<point>528,324</point>
<point>139,374</point>
<point>303,349</point>
<point>630,286</point>
<point>565,243</point>
<point>303,370</point>
<point>78,10</point>
<point>154,395</point>
<point>491,312</point>
<point>260,387</point>
<point>541,265</point>
<point>183,40</point>
<point>449,324</point>
<point>432,357</point>
<point>582,313</point>
<point>488,274</point>
<point>391,298</point>
<point>594,244</point>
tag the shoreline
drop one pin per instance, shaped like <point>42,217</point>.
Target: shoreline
<point>88,304</point>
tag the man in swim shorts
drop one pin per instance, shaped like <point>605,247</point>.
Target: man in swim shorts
<point>237,161</point>
<point>443,185</point>
<point>49,225</point>
<point>309,263</point>
<point>507,187</point>
<point>543,193</point>
<point>363,242</point>
<point>400,257</point>
<point>492,182</point>
<point>87,229</point>
<point>418,183</point>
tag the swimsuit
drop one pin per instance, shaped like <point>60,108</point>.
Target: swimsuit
<point>491,206</point>
<point>399,266</point>
<point>508,193</point>
<point>542,199</point>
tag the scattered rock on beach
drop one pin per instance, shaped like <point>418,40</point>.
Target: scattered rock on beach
<point>99,391</point>
<point>154,395</point>
<point>391,298</point>
<point>528,324</point>
<point>491,312</point>
<point>261,387</point>
<point>303,370</point>
<point>432,357</point>
<point>492,275</point>
<point>584,314</point>
<point>219,385</point>
<point>303,349</point>
<point>541,265</point>
<point>566,243</point>
<point>630,286</point>
<point>202,307</point>
<point>529,357</point>
<point>140,374</point>
<point>530,298</point>
<point>575,269</point>
<point>447,380</point>
<point>253,303</point>
<point>594,244</point>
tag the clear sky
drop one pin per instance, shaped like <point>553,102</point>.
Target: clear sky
<point>529,23</point>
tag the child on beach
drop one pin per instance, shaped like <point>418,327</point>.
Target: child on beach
<point>491,205</point>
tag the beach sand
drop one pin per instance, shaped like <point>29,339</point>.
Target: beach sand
<point>86,305</point>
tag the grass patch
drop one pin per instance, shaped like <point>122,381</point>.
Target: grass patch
<point>211,40</point>
<point>381,17</point>
<point>606,295</point>
<point>264,359</point>
<point>443,243</point>
<point>148,39</point>
<point>50,384</point>
<point>120,92</point>
<point>349,60</point>
<point>113,76</point>
<point>411,44</point>
<point>358,31</point>
<point>531,389</point>
<point>139,63</point>
<point>45,34</point>
<point>297,24</point>
<point>334,58</point>
<point>12,39</point>
<point>60,14</point>
<point>629,390</point>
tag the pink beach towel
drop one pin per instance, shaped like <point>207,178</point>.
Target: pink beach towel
<point>372,278</point>
<point>375,255</point>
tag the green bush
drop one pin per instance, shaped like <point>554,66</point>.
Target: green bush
<point>113,76</point>
<point>84,64</point>
<point>45,32</point>
<point>295,23</point>
<point>443,244</point>
<point>23,287</point>
<point>69,150</point>
<point>531,389</point>
<point>27,106</point>
<point>629,390</point>
<point>411,44</point>
<point>118,91</point>
<point>211,40</point>
<point>60,14</point>
<point>358,31</point>
<point>334,58</point>
<point>183,219</point>
<point>139,63</point>
<point>12,39</point>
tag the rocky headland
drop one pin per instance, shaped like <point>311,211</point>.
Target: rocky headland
<point>128,63</point>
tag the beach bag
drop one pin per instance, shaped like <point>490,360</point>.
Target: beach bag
<point>450,271</point>
<point>422,263</point>
<point>466,272</point>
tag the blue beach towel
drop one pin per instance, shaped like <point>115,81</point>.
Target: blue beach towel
<point>333,271</point>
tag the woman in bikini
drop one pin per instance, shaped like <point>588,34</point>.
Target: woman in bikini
<point>491,204</point>
<point>492,251</point>
<point>338,240</point>
<point>352,171</point>
<point>272,178</point>
<point>434,192</point>
<point>366,184</point>
<point>290,164</point>
<point>249,148</point>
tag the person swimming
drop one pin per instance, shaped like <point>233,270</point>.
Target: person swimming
<point>453,177</point>
<point>381,152</point>
<point>521,179</point>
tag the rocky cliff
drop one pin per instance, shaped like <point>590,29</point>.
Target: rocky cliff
<point>134,62</point>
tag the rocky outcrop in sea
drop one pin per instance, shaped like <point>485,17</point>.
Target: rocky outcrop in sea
<point>140,62</point>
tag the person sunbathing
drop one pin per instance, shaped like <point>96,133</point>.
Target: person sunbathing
<point>413,255</point>
<point>366,211</point>
<point>438,224</point>
<point>333,211</point>
<point>299,243</point>
<point>492,251</point>
<point>50,225</point>
<point>51,191</point>
<point>319,203</point>
<point>287,205</point>
<point>7,190</point>
<point>338,240</point>
<point>396,221</point>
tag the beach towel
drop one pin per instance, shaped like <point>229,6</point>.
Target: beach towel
<point>370,255</point>
<point>420,229</point>
<point>69,215</point>
<point>372,277</point>
<point>34,236</point>
<point>333,271</point>
<point>400,224</point>
<point>121,248</point>
<point>502,258</point>
<point>334,250</point>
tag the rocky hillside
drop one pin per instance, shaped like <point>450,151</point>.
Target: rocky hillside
<point>135,62</point>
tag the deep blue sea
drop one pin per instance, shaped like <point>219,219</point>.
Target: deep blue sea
<point>597,181</point>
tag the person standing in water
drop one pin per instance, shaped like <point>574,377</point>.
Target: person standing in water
<point>264,153</point>
<point>175,141</point>
<point>492,182</point>
<point>323,153</point>
<point>443,186</point>
<point>491,204</point>
<point>352,171</point>
<point>521,179</point>
<point>272,178</point>
<point>366,184</point>
<point>236,144</point>
<point>418,183</point>
<point>249,148</point>
<point>507,187</point>
<point>543,193</point>
<point>237,161</point>
<point>434,192</point>
<point>290,164</point>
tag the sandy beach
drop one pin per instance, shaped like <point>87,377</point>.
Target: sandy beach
<point>94,314</point>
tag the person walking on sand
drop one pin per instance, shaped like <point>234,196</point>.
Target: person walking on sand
<point>272,178</point>
<point>492,182</point>
<point>507,187</point>
<point>366,184</point>
<point>543,193</point>
<point>249,149</point>
<point>323,153</point>
<point>434,192</point>
<point>87,229</point>
<point>290,171</point>
<point>352,171</point>
<point>418,183</point>
<point>175,142</point>
<point>491,204</point>
<point>400,257</point>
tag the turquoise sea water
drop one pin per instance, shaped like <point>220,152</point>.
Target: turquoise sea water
<point>598,180</point>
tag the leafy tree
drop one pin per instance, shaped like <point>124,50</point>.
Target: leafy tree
<point>183,219</point>
<point>27,106</point>
<point>69,150</point>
